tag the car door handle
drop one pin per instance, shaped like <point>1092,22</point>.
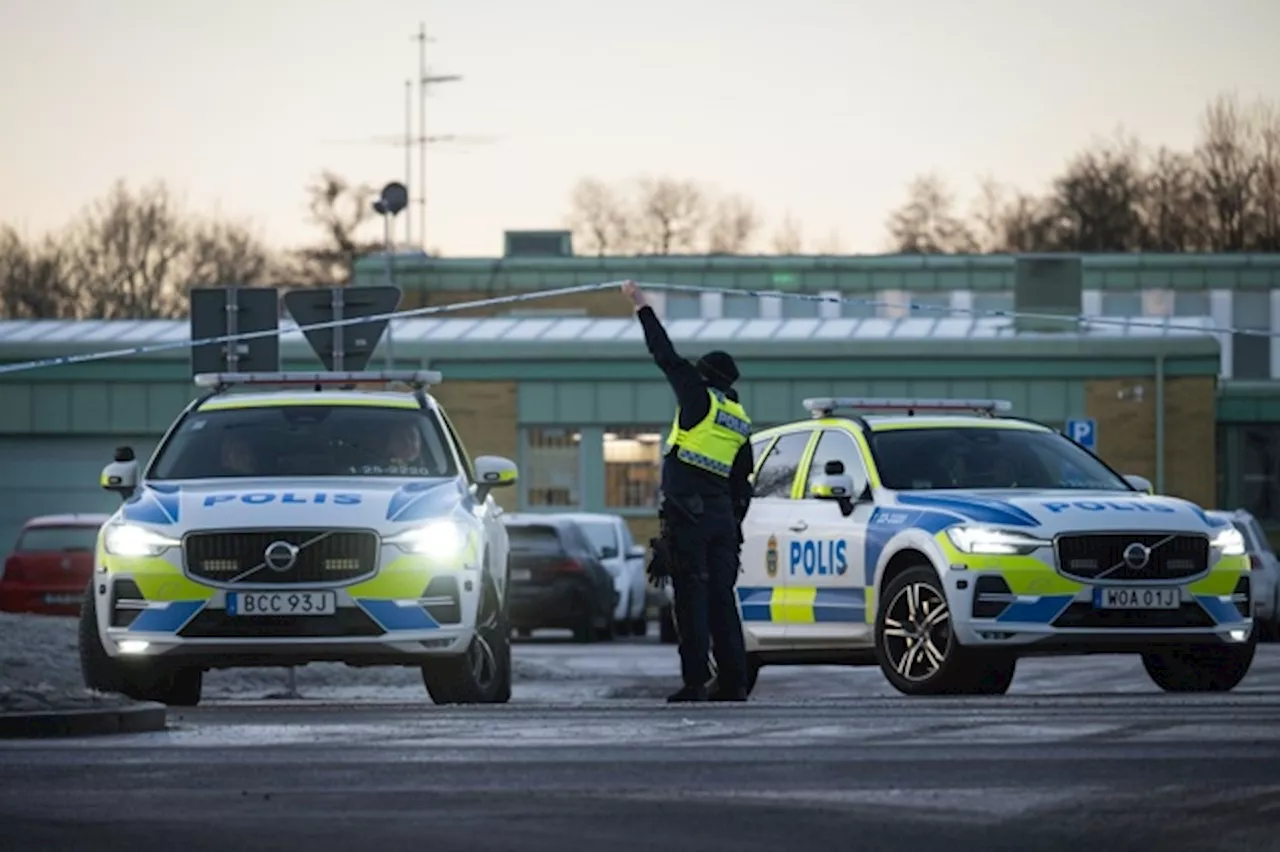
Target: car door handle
<point>799,526</point>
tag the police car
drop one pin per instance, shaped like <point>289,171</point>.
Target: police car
<point>310,521</point>
<point>943,542</point>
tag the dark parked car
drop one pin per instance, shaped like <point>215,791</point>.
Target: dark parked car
<point>557,579</point>
<point>50,565</point>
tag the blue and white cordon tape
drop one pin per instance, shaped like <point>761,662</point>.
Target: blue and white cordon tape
<point>1156,324</point>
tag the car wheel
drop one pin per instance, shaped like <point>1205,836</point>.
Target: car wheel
<point>918,651</point>
<point>482,673</point>
<point>1201,668</point>
<point>640,627</point>
<point>99,671</point>
<point>177,687</point>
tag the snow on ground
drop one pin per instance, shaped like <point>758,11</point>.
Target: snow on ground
<point>40,668</point>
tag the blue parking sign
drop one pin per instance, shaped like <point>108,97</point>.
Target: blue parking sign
<point>1084,432</point>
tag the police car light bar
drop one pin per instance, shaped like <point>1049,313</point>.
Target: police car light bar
<point>415,378</point>
<point>826,405</point>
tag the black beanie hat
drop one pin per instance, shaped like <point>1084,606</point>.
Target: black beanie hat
<point>718,367</point>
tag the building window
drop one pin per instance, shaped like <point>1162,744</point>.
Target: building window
<point>800,308</point>
<point>632,467</point>
<point>1191,303</point>
<point>859,309</point>
<point>991,300</point>
<point>683,306</point>
<point>741,307</point>
<point>1121,303</point>
<point>1251,353</point>
<point>552,467</point>
<point>1257,463</point>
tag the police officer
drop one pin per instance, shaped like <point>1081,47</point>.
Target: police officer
<point>705,495</point>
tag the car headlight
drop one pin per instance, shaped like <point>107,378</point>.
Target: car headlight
<point>132,540</point>
<point>1230,542</point>
<point>970,539</point>
<point>440,539</point>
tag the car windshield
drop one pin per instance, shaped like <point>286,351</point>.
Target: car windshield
<point>601,534</point>
<point>533,539</point>
<point>305,440</point>
<point>986,457</point>
<point>45,539</point>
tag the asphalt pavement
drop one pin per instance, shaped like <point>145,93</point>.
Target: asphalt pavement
<point>1083,753</point>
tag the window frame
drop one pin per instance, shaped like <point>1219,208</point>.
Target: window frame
<point>859,486</point>
<point>809,432</point>
<point>603,473</point>
<point>525,449</point>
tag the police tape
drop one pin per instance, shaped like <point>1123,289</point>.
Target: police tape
<point>1076,321</point>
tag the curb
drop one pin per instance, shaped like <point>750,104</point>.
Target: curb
<point>133,719</point>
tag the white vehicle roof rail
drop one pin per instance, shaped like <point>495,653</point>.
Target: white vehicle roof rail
<point>825,406</point>
<point>415,379</point>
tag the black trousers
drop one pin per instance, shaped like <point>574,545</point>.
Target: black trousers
<point>705,549</point>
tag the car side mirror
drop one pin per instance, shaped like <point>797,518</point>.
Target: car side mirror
<point>608,553</point>
<point>635,551</point>
<point>835,486</point>
<point>493,472</point>
<point>1141,483</point>
<point>121,476</point>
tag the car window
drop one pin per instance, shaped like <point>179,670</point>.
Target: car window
<point>577,540</point>
<point>534,538</point>
<point>778,471</point>
<point>68,538</point>
<point>757,450</point>
<point>987,457</point>
<point>304,441</point>
<point>837,445</point>
<point>602,534</point>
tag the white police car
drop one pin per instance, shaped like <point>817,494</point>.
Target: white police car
<point>945,546</point>
<point>288,526</point>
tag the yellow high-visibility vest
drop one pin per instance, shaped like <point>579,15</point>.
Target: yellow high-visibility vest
<point>712,443</point>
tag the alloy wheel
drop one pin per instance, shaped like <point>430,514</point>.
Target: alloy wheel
<point>917,632</point>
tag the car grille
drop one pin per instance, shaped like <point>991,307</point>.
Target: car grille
<point>216,624</point>
<point>1082,615</point>
<point>1094,558</point>
<point>323,556</point>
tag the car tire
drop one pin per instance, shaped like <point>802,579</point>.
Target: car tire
<point>99,671</point>
<point>640,627</point>
<point>927,658</point>
<point>481,674</point>
<point>1201,668</point>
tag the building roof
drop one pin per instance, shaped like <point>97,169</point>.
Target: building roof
<point>496,338</point>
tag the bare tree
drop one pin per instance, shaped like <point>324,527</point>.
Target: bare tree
<point>225,253</point>
<point>670,215</point>
<point>1098,196</point>
<point>789,239</point>
<point>927,223</point>
<point>1267,124</point>
<point>600,219</point>
<point>1172,209</point>
<point>1230,171</point>
<point>733,226</point>
<point>33,281</point>
<point>341,209</point>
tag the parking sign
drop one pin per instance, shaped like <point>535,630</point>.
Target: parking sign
<point>1084,432</point>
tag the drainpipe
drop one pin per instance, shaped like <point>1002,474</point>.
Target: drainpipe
<point>1160,423</point>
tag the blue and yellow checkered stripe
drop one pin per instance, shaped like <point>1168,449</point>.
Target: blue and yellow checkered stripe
<point>803,605</point>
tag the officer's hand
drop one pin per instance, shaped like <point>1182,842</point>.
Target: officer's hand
<point>634,293</point>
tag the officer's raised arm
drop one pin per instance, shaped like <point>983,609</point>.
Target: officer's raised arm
<point>684,378</point>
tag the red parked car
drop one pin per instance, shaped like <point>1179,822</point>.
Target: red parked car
<point>50,565</point>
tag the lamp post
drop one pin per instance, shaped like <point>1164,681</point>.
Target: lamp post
<point>394,198</point>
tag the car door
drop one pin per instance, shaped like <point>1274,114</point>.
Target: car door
<point>825,566</point>
<point>767,537</point>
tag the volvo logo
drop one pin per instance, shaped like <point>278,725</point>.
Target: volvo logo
<point>1136,556</point>
<point>280,556</point>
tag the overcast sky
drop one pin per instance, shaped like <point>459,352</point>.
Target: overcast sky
<point>821,108</point>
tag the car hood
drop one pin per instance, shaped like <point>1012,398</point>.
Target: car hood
<point>380,504</point>
<point>1054,511</point>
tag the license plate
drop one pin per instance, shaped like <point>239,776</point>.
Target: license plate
<point>1121,597</point>
<point>281,603</point>
<point>521,574</point>
<point>62,600</point>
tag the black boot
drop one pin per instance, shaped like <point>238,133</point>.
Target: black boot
<point>727,694</point>
<point>688,693</point>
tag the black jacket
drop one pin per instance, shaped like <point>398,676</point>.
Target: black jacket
<point>691,395</point>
